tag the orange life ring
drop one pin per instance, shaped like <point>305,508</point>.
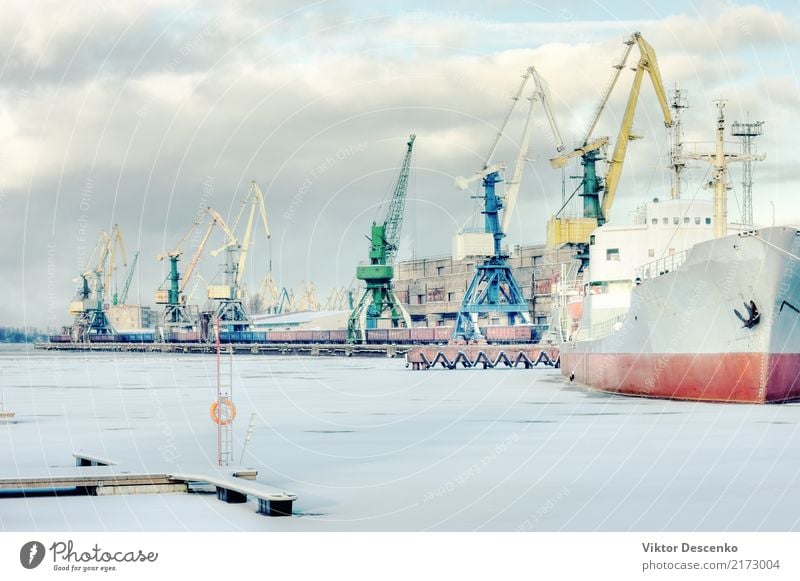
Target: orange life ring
<point>227,416</point>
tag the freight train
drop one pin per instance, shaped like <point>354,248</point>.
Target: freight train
<point>401,336</point>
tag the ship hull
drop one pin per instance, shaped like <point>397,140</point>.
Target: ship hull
<point>722,377</point>
<point>683,339</point>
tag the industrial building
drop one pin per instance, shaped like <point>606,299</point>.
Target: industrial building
<point>131,317</point>
<point>432,288</point>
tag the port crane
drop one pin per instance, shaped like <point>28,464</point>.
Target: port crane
<point>286,302</point>
<point>308,300</point>
<point>88,306</point>
<point>562,230</point>
<point>269,293</point>
<point>379,298</point>
<point>177,313</point>
<point>230,310</point>
<point>122,298</point>
<point>340,298</point>
<point>493,288</point>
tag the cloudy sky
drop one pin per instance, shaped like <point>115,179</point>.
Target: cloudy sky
<point>140,113</point>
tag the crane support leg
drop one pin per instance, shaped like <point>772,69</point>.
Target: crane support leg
<point>493,289</point>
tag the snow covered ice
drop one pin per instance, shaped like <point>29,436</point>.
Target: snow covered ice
<point>370,445</point>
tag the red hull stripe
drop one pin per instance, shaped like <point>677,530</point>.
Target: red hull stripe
<point>721,377</point>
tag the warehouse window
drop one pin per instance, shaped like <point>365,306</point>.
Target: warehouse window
<point>612,254</point>
<point>686,220</point>
<point>440,270</point>
<point>538,260</point>
<point>651,252</point>
<point>708,220</point>
<point>676,220</point>
<point>421,299</point>
<point>451,297</point>
<point>654,220</point>
<point>666,221</point>
<point>697,220</point>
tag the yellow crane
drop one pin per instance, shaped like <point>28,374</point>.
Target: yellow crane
<point>267,296</point>
<point>88,307</point>
<point>308,300</point>
<point>563,230</point>
<point>230,309</point>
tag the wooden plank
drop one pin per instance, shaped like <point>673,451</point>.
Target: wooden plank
<point>141,489</point>
<point>89,480</point>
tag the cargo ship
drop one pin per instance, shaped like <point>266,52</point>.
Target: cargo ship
<point>682,305</point>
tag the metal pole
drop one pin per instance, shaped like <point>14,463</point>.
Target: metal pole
<point>219,401</point>
<point>247,436</point>
<point>229,452</point>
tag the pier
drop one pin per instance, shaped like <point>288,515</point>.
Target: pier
<point>313,349</point>
<point>482,356</point>
<point>97,476</point>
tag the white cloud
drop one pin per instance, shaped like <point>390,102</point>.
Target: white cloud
<point>149,100</point>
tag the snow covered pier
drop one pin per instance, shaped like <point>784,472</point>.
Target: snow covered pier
<point>487,356</point>
<point>95,481</point>
<point>92,477</point>
<point>236,490</point>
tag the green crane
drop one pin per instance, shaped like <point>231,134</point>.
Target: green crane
<point>379,298</point>
<point>123,297</point>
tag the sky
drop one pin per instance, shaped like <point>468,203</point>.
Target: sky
<point>142,113</point>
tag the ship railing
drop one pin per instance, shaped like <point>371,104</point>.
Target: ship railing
<point>661,266</point>
<point>606,328</point>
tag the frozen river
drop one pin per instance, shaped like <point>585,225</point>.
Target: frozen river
<point>370,445</point>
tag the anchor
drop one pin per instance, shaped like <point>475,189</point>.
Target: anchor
<point>753,316</point>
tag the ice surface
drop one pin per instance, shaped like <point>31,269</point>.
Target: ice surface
<point>370,445</point>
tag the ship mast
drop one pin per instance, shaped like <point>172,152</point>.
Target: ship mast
<point>719,161</point>
<point>677,161</point>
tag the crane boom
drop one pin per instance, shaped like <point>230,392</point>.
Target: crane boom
<point>647,62</point>
<point>394,217</point>
<point>514,100</point>
<point>540,94</point>
<point>123,297</point>
<point>562,160</point>
<point>256,199</point>
<point>114,242</point>
<point>629,42</point>
<point>216,219</point>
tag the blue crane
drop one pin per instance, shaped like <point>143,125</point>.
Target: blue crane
<point>493,288</point>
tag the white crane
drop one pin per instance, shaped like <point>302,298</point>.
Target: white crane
<point>493,287</point>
